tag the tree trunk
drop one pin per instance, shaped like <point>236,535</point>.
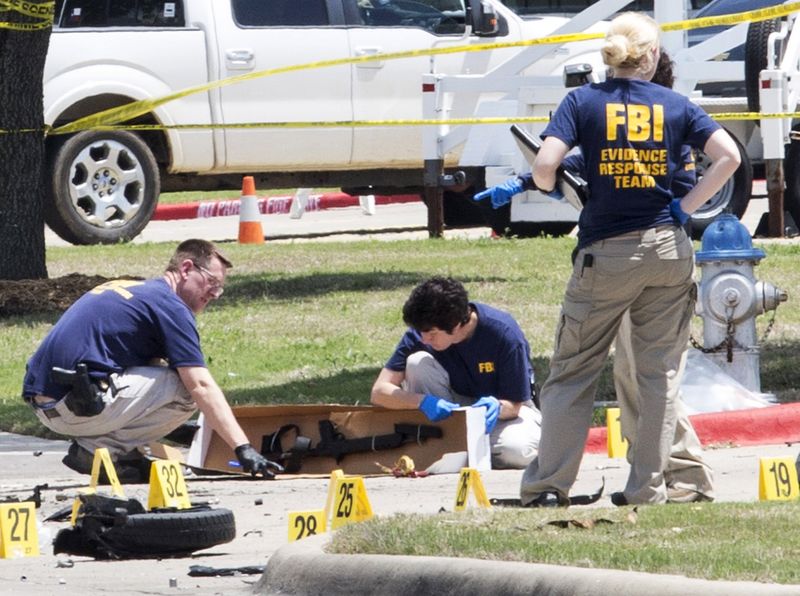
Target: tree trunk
<point>23,49</point>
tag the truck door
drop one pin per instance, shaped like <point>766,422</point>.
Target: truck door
<point>392,89</point>
<point>259,35</point>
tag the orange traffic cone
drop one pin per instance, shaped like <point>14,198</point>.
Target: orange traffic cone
<point>250,231</point>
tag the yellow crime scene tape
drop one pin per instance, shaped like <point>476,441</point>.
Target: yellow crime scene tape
<point>110,119</point>
<point>722,116</point>
<point>43,11</point>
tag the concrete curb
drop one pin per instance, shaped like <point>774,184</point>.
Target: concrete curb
<point>270,205</point>
<point>303,567</point>
<point>755,426</point>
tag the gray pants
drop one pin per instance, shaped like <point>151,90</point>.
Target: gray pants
<point>150,402</point>
<point>650,273</point>
<point>513,442</point>
<point>686,467</point>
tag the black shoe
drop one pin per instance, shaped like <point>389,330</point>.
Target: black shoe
<point>184,434</point>
<point>131,468</point>
<point>549,499</point>
<point>619,499</point>
<point>686,495</point>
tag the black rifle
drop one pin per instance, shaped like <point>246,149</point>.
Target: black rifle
<point>333,444</point>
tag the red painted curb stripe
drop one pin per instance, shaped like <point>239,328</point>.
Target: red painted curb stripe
<point>270,205</point>
<point>755,426</point>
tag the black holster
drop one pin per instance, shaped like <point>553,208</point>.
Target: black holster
<point>85,397</point>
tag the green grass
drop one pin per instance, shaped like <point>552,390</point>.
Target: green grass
<point>716,541</point>
<point>314,322</point>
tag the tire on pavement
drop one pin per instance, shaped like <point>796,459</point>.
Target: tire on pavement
<point>114,528</point>
<point>173,532</point>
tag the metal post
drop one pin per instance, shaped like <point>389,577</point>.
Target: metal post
<point>434,161</point>
<point>774,173</point>
<point>434,196</point>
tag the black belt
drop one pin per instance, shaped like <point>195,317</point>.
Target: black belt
<point>49,412</point>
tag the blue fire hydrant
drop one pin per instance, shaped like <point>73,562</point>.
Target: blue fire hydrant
<point>730,298</point>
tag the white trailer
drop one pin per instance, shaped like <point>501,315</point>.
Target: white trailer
<point>510,90</point>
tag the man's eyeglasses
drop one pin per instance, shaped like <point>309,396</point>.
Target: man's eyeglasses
<point>214,284</point>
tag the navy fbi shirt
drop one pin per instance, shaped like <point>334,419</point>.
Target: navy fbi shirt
<point>494,361</point>
<point>631,134</point>
<point>118,324</point>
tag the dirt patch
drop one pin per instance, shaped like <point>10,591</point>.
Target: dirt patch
<point>55,295</point>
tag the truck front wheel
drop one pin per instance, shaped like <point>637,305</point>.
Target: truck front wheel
<point>733,197</point>
<point>104,187</point>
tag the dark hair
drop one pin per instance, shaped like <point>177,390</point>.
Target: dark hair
<point>200,252</point>
<point>440,302</point>
<point>664,75</point>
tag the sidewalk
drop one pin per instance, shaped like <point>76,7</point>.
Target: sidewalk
<point>260,509</point>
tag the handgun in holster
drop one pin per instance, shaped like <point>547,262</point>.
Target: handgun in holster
<point>85,398</point>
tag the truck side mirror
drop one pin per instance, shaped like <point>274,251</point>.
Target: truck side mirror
<point>483,18</point>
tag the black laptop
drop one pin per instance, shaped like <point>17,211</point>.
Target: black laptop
<point>574,188</point>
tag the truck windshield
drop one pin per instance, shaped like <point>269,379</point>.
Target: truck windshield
<point>537,8</point>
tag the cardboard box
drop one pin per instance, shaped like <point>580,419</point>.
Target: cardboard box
<point>463,442</point>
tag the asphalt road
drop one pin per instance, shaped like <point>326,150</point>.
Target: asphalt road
<point>260,509</point>
<point>390,222</point>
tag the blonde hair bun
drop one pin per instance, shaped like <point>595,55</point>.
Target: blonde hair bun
<point>630,40</point>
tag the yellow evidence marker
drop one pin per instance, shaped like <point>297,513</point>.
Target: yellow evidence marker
<point>335,476</point>
<point>350,502</point>
<point>167,486</point>
<point>617,445</point>
<point>103,458</point>
<point>777,479</point>
<point>470,478</point>
<point>18,536</point>
<point>303,524</point>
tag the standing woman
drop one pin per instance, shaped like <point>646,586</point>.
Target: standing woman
<point>632,254</point>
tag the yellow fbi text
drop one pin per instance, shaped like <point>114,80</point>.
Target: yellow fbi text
<point>629,167</point>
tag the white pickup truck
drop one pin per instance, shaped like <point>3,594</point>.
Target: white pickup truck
<point>103,54</point>
<point>105,184</point>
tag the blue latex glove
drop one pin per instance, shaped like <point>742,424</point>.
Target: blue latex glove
<point>677,213</point>
<point>502,193</point>
<point>436,408</point>
<point>492,405</point>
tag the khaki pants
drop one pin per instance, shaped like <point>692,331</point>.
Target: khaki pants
<point>686,467</point>
<point>650,273</point>
<point>513,442</point>
<point>150,401</point>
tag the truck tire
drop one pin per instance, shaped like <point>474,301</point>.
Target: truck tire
<point>733,197</point>
<point>104,188</point>
<point>791,198</point>
<point>755,58</point>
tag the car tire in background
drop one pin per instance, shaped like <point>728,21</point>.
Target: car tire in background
<point>733,197</point>
<point>104,187</point>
